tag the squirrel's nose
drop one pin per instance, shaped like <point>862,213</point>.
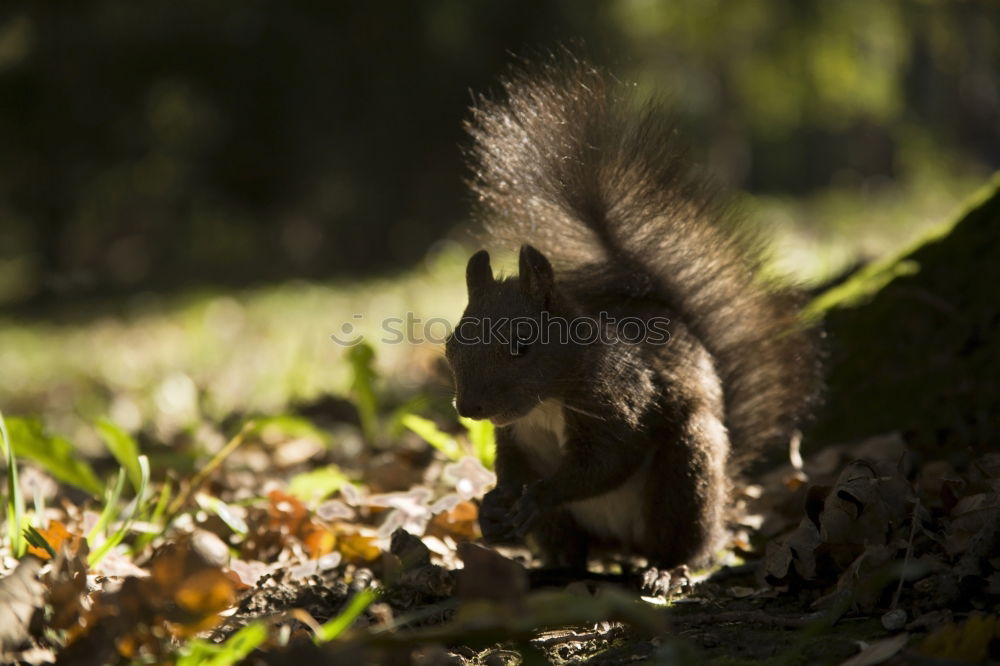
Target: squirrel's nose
<point>469,409</point>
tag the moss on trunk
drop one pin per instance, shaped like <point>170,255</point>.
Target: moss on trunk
<point>914,340</point>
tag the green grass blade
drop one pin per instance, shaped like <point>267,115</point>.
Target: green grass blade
<point>55,454</point>
<point>15,502</point>
<point>156,517</point>
<point>136,509</point>
<point>161,503</point>
<point>123,447</point>
<point>291,427</point>
<point>482,437</point>
<point>110,506</point>
<point>222,510</point>
<point>317,484</point>
<point>35,538</point>
<point>362,358</point>
<point>430,433</point>
<point>335,627</point>
<point>200,652</point>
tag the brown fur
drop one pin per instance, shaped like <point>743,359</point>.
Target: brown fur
<point>617,222</point>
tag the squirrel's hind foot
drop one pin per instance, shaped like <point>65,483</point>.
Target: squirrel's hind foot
<point>656,582</point>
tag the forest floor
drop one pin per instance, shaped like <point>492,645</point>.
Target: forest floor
<point>853,556</point>
<point>251,492</point>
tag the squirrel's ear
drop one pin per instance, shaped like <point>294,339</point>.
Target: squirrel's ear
<point>478,273</point>
<point>535,273</point>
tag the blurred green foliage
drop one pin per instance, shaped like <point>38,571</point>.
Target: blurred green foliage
<point>165,143</point>
<point>170,365</point>
<point>124,448</point>
<point>57,455</point>
<point>14,499</point>
<point>201,652</point>
<point>362,357</point>
<point>317,484</point>
<point>295,167</point>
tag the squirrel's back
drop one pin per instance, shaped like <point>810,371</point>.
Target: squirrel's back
<point>562,163</point>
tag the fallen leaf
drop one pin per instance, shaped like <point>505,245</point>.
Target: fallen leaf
<point>66,581</point>
<point>205,592</point>
<point>867,503</point>
<point>357,548</point>
<point>878,652</point>
<point>249,572</point>
<point>318,541</point>
<point>969,516</point>
<point>488,575</point>
<point>331,510</point>
<point>460,523</point>
<point>410,510</point>
<point>470,478</point>
<point>55,535</point>
<point>866,576</point>
<point>795,553</point>
<point>21,594</point>
<point>286,512</point>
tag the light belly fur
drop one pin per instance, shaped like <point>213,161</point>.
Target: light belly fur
<point>616,515</point>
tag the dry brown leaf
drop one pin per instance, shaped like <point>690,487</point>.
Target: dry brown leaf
<point>867,503</point>
<point>248,571</point>
<point>858,579</point>
<point>461,523</point>
<point>318,541</point>
<point>287,514</point>
<point>357,548</point>
<point>67,585</point>
<point>184,593</point>
<point>20,595</point>
<point>288,517</point>
<point>489,576</point>
<point>469,477</point>
<point>793,553</point>
<point>205,592</point>
<point>970,515</point>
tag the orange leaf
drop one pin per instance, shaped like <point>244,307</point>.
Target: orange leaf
<point>459,523</point>
<point>128,646</point>
<point>357,548</point>
<point>318,541</point>
<point>206,592</point>
<point>56,535</point>
<point>169,564</point>
<point>286,513</point>
<point>235,579</point>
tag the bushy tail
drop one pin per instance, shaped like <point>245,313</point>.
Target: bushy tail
<point>561,163</point>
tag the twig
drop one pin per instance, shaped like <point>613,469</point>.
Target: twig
<point>206,471</point>
<point>909,550</point>
<point>571,637</point>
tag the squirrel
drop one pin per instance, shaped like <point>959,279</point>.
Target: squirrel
<point>605,440</point>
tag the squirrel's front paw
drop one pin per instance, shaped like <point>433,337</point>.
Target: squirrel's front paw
<point>493,512</point>
<point>524,513</point>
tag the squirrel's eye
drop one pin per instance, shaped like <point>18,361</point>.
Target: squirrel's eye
<point>520,346</point>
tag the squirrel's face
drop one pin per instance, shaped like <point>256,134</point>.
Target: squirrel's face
<point>503,359</point>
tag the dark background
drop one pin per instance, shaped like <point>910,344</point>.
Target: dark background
<point>170,143</point>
